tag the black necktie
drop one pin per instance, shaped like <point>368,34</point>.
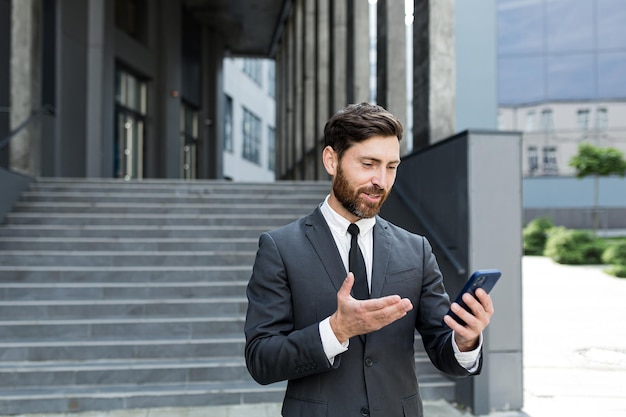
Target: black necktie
<point>356,265</point>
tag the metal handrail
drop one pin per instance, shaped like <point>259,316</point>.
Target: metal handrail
<point>432,235</point>
<point>46,109</point>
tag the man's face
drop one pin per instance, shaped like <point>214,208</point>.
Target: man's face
<point>363,178</point>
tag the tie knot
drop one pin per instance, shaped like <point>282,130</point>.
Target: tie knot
<point>353,229</point>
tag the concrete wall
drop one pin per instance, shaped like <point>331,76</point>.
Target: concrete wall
<point>465,195</point>
<point>476,100</point>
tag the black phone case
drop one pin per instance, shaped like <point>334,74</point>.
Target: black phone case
<point>483,278</point>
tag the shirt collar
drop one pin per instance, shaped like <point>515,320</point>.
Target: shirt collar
<point>340,224</point>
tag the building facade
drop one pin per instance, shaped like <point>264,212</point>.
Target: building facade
<point>560,74</point>
<point>249,119</point>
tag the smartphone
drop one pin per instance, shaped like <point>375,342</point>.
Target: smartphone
<point>483,278</point>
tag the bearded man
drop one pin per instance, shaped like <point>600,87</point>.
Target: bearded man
<point>335,298</point>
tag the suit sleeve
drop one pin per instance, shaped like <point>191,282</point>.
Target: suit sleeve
<point>275,350</point>
<point>434,304</point>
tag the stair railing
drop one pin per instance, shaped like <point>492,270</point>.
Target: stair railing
<point>46,109</point>
<point>430,231</point>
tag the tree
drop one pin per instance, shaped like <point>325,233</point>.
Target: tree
<point>597,162</point>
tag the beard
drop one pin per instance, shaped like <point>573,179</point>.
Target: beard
<point>352,200</point>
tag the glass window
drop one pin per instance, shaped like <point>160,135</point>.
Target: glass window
<point>130,18</point>
<point>547,122</point>
<point>271,78</point>
<point>602,118</point>
<point>583,119</point>
<point>521,79</point>
<point>533,160</point>
<point>569,25</point>
<point>611,70</point>
<point>549,161</point>
<point>611,25</point>
<point>251,136</point>
<point>520,26</point>
<point>188,141</point>
<point>530,121</point>
<point>130,125</point>
<point>271,147</point>
<point>228,125</point>
<point>571,77</point>
<point>252,68</point>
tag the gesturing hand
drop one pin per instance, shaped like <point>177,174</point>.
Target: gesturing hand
<point>356,317</point>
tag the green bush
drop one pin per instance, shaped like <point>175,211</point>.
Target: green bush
<point>615,254</point>
<point>535,235</point>
<point>617,270</point>
<point>576,247</point>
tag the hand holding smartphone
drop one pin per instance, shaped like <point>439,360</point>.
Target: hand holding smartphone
<point>483,278</point>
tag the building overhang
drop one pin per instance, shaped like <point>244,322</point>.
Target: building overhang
<point>248,27</point>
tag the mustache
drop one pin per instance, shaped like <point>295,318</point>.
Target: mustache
<point>372,190</point>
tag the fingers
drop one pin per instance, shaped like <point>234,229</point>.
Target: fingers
<point>346,287</point>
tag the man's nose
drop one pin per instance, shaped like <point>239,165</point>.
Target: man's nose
<point>381,178</point>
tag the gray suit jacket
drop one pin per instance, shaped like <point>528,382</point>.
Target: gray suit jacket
<point>294,284</point>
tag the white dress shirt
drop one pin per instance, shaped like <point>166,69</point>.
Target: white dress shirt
<point>339,228</point>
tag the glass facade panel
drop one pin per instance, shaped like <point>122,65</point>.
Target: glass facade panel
<point>571,77</point>
<point>251,137</point>
<point>520,26</point>
<point>568,26</point>
<point>611,72</point>
<point>521,79</point>
<point>611,24</point>
<point>561,50</point>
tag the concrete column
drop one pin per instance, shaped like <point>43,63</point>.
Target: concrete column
<point>360,51</point>
<point>308,102</point>
<point>95,87</point>
<point>213,105</point>
<point>434,72</point>
<point>5,56</point>
<point>391,55</point>
<point>25,80</point>
<point>281,108</point>
<point>172,82</point>
<point>298,138</point>
<point>322,73</point>
<point>338,58</point>
<point>290,99</point>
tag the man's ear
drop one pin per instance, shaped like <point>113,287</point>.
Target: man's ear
<point>330,159</point>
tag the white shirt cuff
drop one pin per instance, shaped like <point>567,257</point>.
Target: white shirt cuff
<point>331,345</point>
<point>468,360</point>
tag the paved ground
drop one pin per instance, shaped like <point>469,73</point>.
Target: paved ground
<point>574,340</point>
<point>574,350</point>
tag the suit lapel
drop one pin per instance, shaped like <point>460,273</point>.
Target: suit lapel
<point>321,239</point>
<point>382,251</point>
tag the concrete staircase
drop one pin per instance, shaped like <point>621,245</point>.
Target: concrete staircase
<point>119,295</point>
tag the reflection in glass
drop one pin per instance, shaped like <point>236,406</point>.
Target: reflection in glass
<point>521,79</point>
<point>569,26</point>
<point>571,77</point>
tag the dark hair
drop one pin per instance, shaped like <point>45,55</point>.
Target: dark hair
<point>358,122</point>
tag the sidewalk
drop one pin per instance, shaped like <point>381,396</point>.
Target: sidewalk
<point>574,340</point>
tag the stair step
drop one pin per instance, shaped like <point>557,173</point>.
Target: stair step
<point>102,309</point>
<point>120,371</point>
<point>128,258</point>
<point>106,219</point>
<point>126,348</point>
<point>115,328</point>
<point>114,274</point>
<point>103,291</point>
<point>127,244</point>
<point>294,210</point>
<point>130,231</point>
